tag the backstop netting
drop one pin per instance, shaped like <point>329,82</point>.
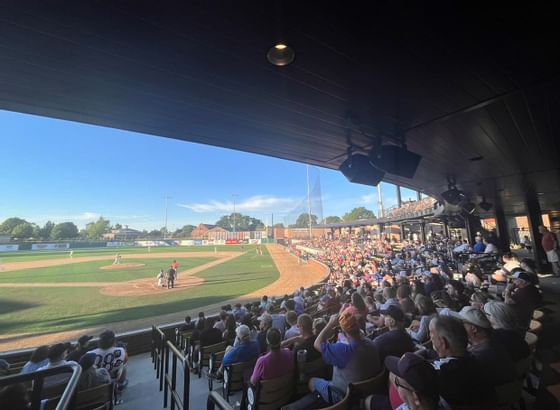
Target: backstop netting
<point>311,202</point>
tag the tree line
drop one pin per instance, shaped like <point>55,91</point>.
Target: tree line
<point>18,228</point>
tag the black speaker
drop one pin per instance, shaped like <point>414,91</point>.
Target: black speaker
<point>453,196</point>
<point>396,160</point>
<point>359,169</point>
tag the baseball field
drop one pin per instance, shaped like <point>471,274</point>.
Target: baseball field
<point>46,296</point>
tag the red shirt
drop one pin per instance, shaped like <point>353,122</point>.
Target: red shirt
<point>548,241</point>
<point>175,265</point>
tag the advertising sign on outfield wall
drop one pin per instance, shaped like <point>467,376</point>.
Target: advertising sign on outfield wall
<point>187,242</point>
<point>254,241</point>
<point>8,248</point>
<point>232,242</point>
<point>49,246</point>
<point>116,244</point>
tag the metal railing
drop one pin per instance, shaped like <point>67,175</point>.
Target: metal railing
<point>67,400</point>
<point>216,401</point>
<point>159,341</point>
<point>170,385</point>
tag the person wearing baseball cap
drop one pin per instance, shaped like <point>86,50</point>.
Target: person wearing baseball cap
<point>524,296</point>
<point>81,348</point>
<point>353,361</point>
<point>396,341</point>
<point>245,350</point>
<point>416,381</point>
<point>493,357</point>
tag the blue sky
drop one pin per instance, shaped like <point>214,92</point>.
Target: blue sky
<point>65,171</point>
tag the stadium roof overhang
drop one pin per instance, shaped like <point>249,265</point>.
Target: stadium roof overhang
<point>474,91</point>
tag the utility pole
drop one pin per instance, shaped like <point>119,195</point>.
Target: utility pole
<point>166,203</point>
<point>309,205</point>
<point>380,201</point>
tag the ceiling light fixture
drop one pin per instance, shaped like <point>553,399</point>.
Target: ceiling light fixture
<point>280,55</point>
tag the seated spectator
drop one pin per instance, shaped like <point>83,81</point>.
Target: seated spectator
<point>394,342</point>
<point>497,364</point>
<point>510,262</point>
<point>506,331</point>
<point>91,376</point>
<point>188,325</point>
<point>265,304</point>
<point>81,348</point>
<point>524,296</point>
<point>318,325</point>
<point>442,300</point>
<point>221,323</point>
<point>293,330</point>
<point>239,312</point>
<point>458,373</point>
<point>210,335</point>
<point>229,333</point>
<point>416,382</point>
<point>403,295</point>
<point>246,350</point>
<point>111,357</point>
<point>390,296</point>
<point>56,357</point>
<point>479,299</point>
<point>353,361</point>
<point>278,319</point>
<point>417,288</point>
<point>38,359</point>
<point>15,397</point>
<point>456,291</point>
<point>478,246</point>
<point>264,325</point>
<point>305,339</point>
<point>490,248</point>
<point>276,363</point>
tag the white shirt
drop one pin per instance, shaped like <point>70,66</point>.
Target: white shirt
<point>291,332</point>
<point>490,248</point>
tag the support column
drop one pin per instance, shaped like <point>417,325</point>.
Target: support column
<point>502,228</point>
<point>423,231</point>
<point>534,216</point>
<point>418,195</point>
<point>472,225</point>
<point>445,228</point>
<point>403,232</point>
<point>399,198</point>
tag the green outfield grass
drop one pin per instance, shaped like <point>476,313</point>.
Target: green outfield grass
<point>47,310</point>
<point>24,256</point>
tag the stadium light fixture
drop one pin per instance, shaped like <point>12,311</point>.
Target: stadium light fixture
<point>280,55</point>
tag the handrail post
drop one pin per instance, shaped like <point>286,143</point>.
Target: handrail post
<point>162,353</point>
<point>173,380</point>
<point>186,385</point>
<point>164,376</point>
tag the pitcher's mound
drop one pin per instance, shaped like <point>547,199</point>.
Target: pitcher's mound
<point>122,266</point>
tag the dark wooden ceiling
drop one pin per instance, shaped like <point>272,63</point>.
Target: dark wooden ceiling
<point>473,90</point>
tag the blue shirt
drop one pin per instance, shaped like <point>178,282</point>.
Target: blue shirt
<point>338,354</point>
<point>479,247</point>
<point>244,352</point>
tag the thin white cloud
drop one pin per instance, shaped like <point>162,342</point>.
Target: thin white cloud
<point>258,203</point>
<point>368,199</point>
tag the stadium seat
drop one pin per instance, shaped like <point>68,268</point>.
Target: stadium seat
<point>271,394</point>
<point>342,404</point>
<point>538,315</point>
<point>316,368</point>
<point>374,385</point>
<point>235,377</point>
<point>535,327</point>
<point>204,355</point>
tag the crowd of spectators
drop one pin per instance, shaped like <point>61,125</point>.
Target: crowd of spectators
<point>409,208</point>
<point>105,363</point>
<point>397,307</point>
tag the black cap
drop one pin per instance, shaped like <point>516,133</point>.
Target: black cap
<point>84,339</point>
<point>87,360</point>
<point>417,372</point>
<point>394,312</point>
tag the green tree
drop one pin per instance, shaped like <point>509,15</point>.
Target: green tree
<point>45,231</point>
<point>22,231</point>
<point>154,234</point>
<point>95,230</point>
<point>184,232</point>
<point>9,224</point>
<point>333,220</point>
<point>358,213</point>
<point>303,220</point>
<point>64,230</point>
<point>242,222</point>
<point>117,226</point>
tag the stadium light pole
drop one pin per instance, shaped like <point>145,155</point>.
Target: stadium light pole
<point>167,197</point>
<point>234,221</point>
